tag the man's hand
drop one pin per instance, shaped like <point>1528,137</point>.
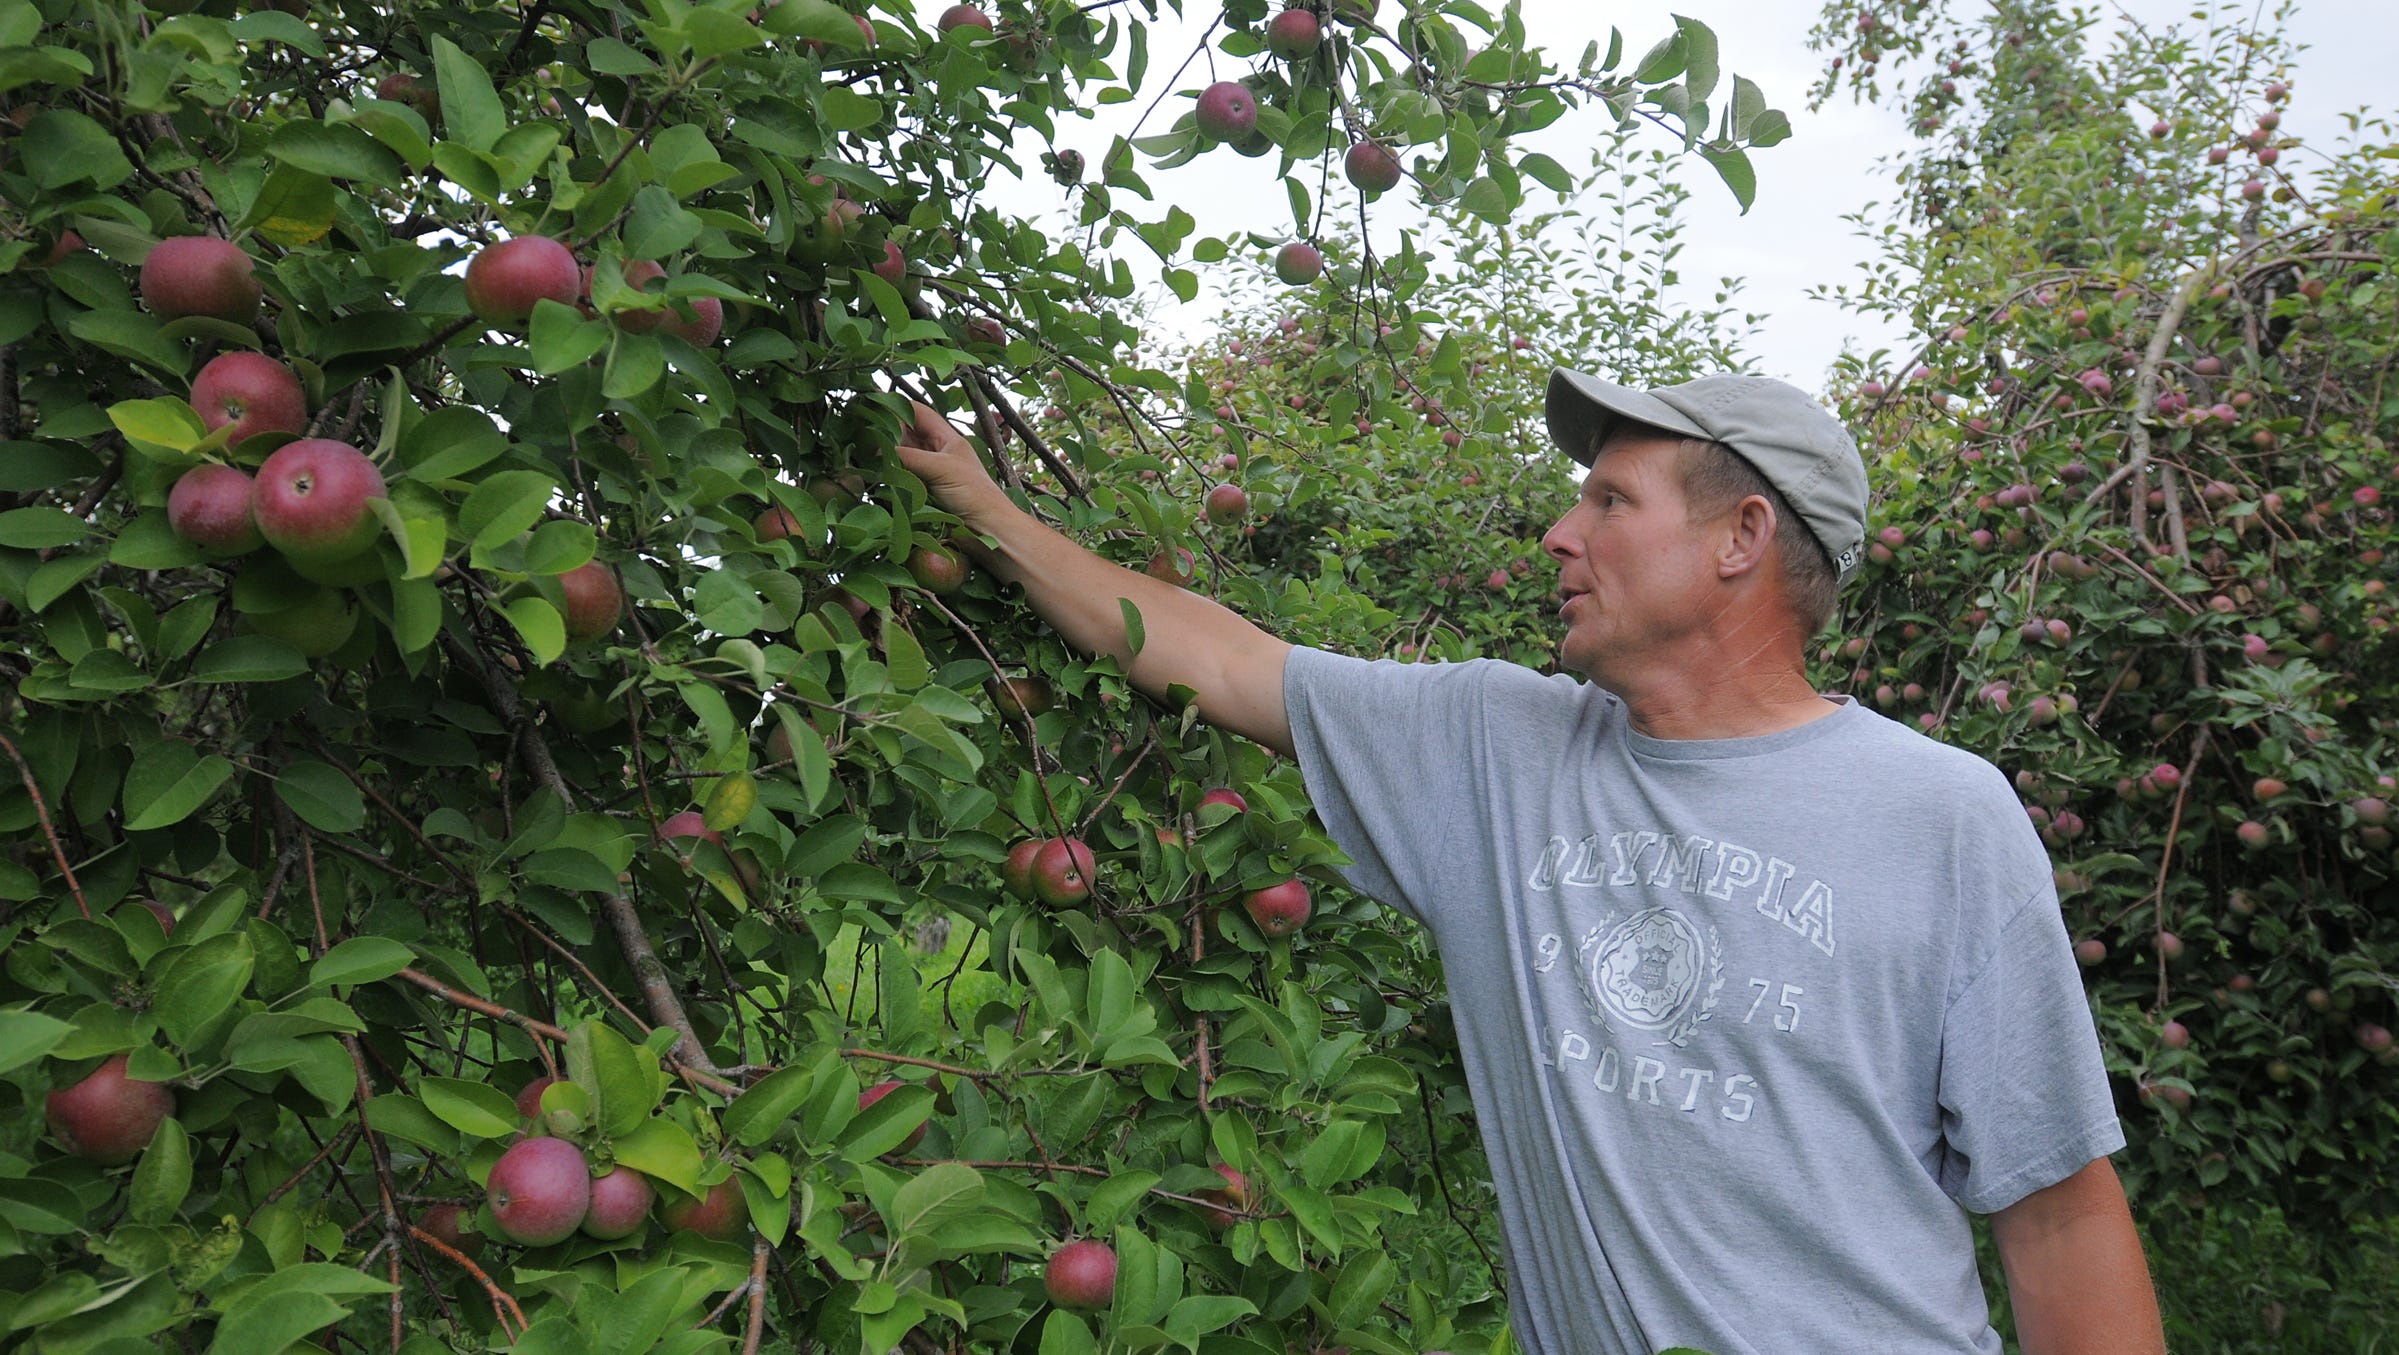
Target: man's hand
<point>2075,1273</point>
<point>1236,668</point>
<point>940,455</point>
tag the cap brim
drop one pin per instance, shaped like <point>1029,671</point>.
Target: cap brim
<point>1583,408</point>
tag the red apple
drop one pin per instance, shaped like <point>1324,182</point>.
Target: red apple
<point>528,1097</point>
<point>1016,873</point>
<point>1235,1198</point>
<point>1062,872</point>
<point>774,524</point>
<point>620,1200</point>
<point>1222,796</point>
<point>210,507</point>
<point>1371,166</point>
<point>540,1190</point>
<point>963,16</point>
<point>164,914</point>
<point>504,281</point>
<point>720,1214</point>
<point>1227,111</point>
<point>1227,503</point>
<point>893,266</point>
<point>2090,951</point>
<point>639,274</point>
<point>253,393</point>
<point>1175,569</point>
<point>1026,697</point>
<point>937,569</point>
<point>1279,910</point>
<point>1295,33</point>
<point>2174,1035</point>
<point>1299,262</point>
<point>312,500</point>
<point>594,601</point>
<point>200,275</point>
<point>1083,1274</point>
<point>108,1118</point>
<point>687,824</point>
<point>876,1093</point>
<point>984,329</point>
<point>707,320</point>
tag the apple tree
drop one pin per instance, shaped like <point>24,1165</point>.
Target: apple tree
<point>2133,547</point>
<point>522,830</point>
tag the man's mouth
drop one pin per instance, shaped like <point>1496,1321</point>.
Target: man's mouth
<point>1567,596</point>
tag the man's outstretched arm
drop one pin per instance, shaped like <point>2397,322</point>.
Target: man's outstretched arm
<point>1188,640</point>
<point>2075,1273</point>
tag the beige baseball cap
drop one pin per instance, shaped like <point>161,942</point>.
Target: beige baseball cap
<point>1796,443</point>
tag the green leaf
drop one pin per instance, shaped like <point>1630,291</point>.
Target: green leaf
<point>560,545</point>
<point>361,959</point>
<point>940,1192</point>
<point>200,984</point>
<point>501,508</point>
<point>470,111</point>
<point>26,1036</point>
<point>1732,165</point>
<point>41,528</point>
<point>288,1304</point>
<point>248,658</point>
<point>761,1112</point>
<point>475,1108</point>
<point>1699,46</point>
<point>162,427</point>
<point>168,782</point>
<point>1067,1334</point>
<point>662,1149</point>
<point>624,1081</point>
<point>336,150</point>
<point>538,622</point>
<point>324,799</point>
<point>164,1176</point>
<point>61,146</point>
<point>1135,635</point>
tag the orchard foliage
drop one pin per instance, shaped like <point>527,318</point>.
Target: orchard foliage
<point>604,744</point>
<point>2135,547</point>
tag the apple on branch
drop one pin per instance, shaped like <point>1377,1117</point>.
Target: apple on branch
<point>540,1190</point>
<point>250,392</point>
<point>594,601</point>
<point>505,281</point>
<point>210,507</point>
<point>313,501</point>
<point>108,1117</point>
<point>186,275</point>
<point>1081,1275</point>
<point>720,1214</point>
<point>1227,111</point>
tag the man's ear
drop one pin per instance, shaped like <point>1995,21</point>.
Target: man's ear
<point>1746,537</point>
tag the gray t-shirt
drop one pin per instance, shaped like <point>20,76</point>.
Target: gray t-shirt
<point>1749,1023</point>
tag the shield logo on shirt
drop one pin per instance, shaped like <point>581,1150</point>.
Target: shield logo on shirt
<point>1653,971</point>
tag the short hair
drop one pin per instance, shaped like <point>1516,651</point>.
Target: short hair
<point>1715,478</point>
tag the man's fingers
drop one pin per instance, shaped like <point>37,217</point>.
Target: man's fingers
<point>929,430</point>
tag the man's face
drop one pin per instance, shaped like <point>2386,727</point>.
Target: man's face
<point>1635,573</point>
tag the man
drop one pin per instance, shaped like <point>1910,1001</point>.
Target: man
<point>1768,991</point>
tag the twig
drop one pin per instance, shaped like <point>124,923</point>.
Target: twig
<point>756,1326</point>
<point>503,1304</point>
<point>41,810</point>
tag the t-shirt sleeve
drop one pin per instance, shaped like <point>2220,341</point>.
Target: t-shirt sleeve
<point>2023,1091</point>
<point>1389,753</point>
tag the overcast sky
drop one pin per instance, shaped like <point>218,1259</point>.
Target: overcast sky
<point>1794,238</point>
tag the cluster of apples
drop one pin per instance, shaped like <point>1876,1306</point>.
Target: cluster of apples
<point>312,499</point>
<point>1227,113</point>
<point>1060,871</point>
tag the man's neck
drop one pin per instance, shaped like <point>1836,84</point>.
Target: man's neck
<point>1732,701</point>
